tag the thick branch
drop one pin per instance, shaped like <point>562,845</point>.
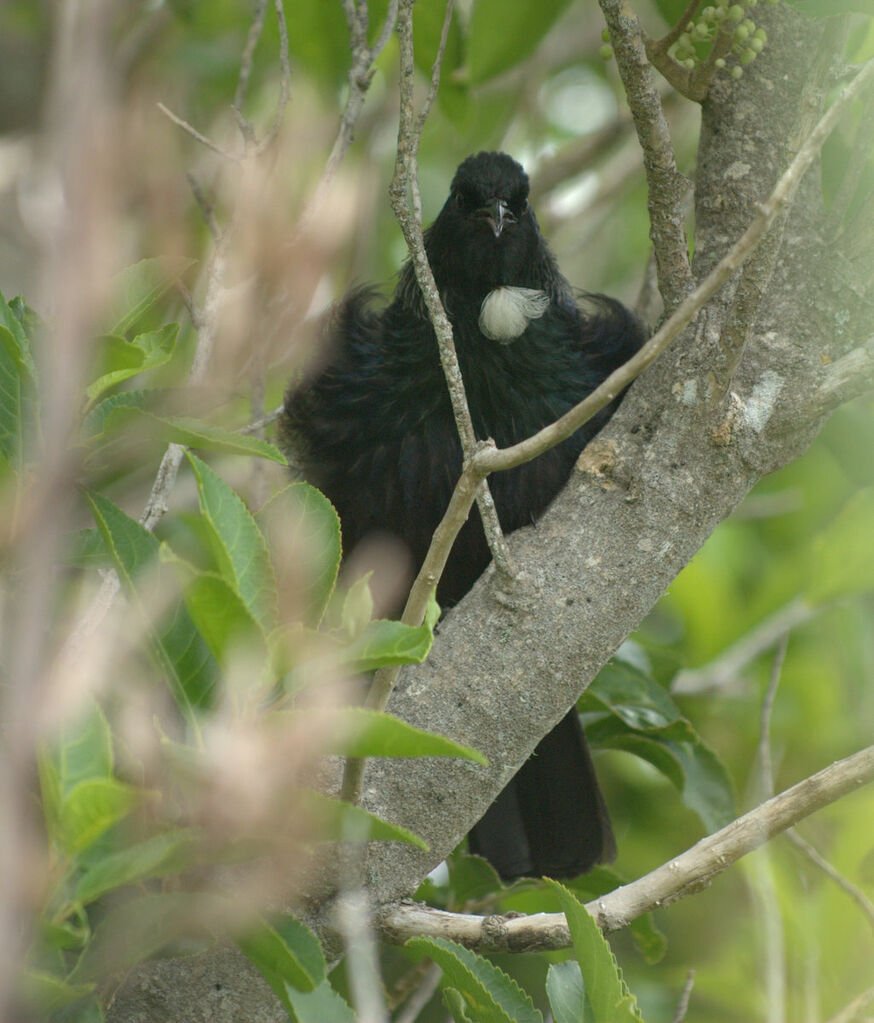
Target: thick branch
<point>683,875</point>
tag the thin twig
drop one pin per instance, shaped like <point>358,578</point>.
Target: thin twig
<point>284,78</point>
<point>683,875</point>
<point>252,38</point>
<point>195,134</point>
<point>666,186</point>
<point>850,1013</point>
<point>855,893</point>
<point>766,771</point>
<point>683,1004</point>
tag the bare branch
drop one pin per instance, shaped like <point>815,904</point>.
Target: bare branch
<point>683,875</point>
<point>195,134</point>
<point>284,78</point>
<point>683,1004</point>
<point>666,186</point>
<point>248,53</point>
<point>846,378</point>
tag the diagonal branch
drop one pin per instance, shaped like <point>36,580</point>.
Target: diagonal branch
<point>683,875</point>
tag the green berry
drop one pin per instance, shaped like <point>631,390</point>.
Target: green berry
<point>735,13</point>
<point>605,35</point>
<point>690,63</point>
<point>708,14</point>
<point>748,56</point>
<point>760,33</point>
<point>741,34</point>
<point>737,72</point>
<point>719,62</point>
<point>756,45</point>
<point>606,52</point>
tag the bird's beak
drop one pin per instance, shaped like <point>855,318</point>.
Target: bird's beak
<point>498,214</point>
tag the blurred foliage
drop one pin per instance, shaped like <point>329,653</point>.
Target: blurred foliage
<point>221,597</point>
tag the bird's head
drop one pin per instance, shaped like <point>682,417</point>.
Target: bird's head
<point>486,234</point>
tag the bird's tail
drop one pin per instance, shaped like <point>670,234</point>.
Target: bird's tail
<point>551,819</point>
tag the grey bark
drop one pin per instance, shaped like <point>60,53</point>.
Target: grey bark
<point>676,459</point>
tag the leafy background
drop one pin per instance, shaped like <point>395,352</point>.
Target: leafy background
<point>674,765</point>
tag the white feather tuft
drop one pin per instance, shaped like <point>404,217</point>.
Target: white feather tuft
<point>506,312</point>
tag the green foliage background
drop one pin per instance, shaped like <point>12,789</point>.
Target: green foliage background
<point>805,534</point>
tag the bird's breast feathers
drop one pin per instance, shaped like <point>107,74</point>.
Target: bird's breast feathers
<point>506,312</point>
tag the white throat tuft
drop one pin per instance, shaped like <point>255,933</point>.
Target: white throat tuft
<point>506,312</point>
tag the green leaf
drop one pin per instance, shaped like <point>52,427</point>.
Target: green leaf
<point>217,611</point>
<point>357,607</point>
<point>454,1001</point>
<point>341,821</point>
<point>48,993</point>
<point>91,808</point>
<point>490,994</point>
<point>19,412</point>
<point>287,953</point>
<point>318,1006</point>
<point>303,525</point>
<point>95,423</point>
<point>178,646</point>
<point>842,559</point>
<point>135,929</point>
<point>86,549</point>
<point>159,856</point>
<point>644,720</point>
<point>358,732</point>
<point>501,35</point>
<point>194,433</point>
<point>386,642</point>
<point>566,992</point>
<point>472,877</point>
<point>237,543</point>
<point>137,288</point>
<point>84,750</point>
<point>125,359</point>
<point>606,992</point>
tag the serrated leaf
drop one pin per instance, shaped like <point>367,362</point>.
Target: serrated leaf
<point>842,559</point>
<point>566,992</point>
<point>237,543</point>
<point>358,732</point>
<point>95,422</point>
<point>492,996</point>
<point>454,1001</point>
<point>304,525</point>
<point>138,287</point>
<point>159,856</point>
<point>341,821</point>
<point>386,642</point>
<point>125,359</point>
<point>318,1006</point>
<point>287,953</point>
<point>91,808</point>
<point>500,35</point>
<point>606,992</point>
<point>178,646</point>
<point>217,611</point>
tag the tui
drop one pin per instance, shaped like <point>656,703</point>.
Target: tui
<point>375,430</point>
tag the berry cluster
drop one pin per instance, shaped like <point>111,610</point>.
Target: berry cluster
<point>747,41</point>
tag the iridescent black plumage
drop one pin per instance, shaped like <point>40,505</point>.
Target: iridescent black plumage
<point>376,432</point>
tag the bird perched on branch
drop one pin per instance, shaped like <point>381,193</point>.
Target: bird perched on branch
<point>376,432</point>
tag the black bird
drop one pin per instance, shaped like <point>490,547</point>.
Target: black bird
<point>376,433</point>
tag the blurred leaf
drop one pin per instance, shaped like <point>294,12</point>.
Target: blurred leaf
<point>842,559</point>
<point>18,383</point>
<point>95,422</point>
<point>287,953</point>
<point>136,929</point>
<point>218,612</point>
<point>179,647</point>
<point>358,732</point>
<point>158,856</point>
<point>124,359</point>
<point>565,991</point>
<point>826,8</point>
<point>606,992</point>
<point>84,750</point>
<point>501,35</point>
<point>318,1006</point>
<point>66,935</point>
<point>237,543</point>
<point>47,993</point>
<point>341,821</point>
<point>671,10</point>
<point>86,549</point>
<point>138,287</point>
<point>90,808</point>
<point>491,996</point>
<point>307,523</point>
<point>357,607</point>
<point>386,642</point>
